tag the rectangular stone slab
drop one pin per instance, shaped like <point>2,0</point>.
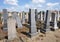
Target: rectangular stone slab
<point>11,23</point>
<point>18,21</point>
<point>47,21</point>
<point>23,17</point>
<point>33,29</point>
<point>5,17</point>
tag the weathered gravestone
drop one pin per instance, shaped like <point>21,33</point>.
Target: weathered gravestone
<point>11,23</point>
<point>18,21</point>
<point>5,17</point>
<point>33,29</point>
<point>55,22</point>
<point>47,22</point>
<point>36,15</point>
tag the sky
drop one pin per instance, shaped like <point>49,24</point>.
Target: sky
<point>24,5</point>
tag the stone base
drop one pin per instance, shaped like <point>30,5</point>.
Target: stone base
<point>5,29</point>
<point>14,40</point>
<point>47,30</point>
<point>33,34</point>
<point>55,28</point>
<point>44,30</point>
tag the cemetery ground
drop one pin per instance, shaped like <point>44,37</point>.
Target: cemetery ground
<point>50,36</point>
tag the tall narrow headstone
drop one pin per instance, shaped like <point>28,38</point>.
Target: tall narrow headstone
<point>41,16</point>
<point>11,23</point>
<point>29,16</point>
<point>23,17</point>
<point>44,15</point>
<point>36,15</point>
<point>43,12</point>
<point>55,22</point>
<point>47,21</point>
<point>20,15</point>
<point>18,21</point>
<point>33,29</point>
<point>26,16</point>
<point>5,17</point>
<point>58,15</point>
<point>50,18</point>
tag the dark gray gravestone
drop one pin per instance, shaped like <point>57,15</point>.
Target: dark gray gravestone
<point>47,22</point>
<point>36,15</point>
<point>5,17</point>
<point>53,17</point>
<point>44,15</point>
<point>23,17</point>
<point>43,12</point>
<point>33,29</point>
<point>29,16</point>
<point>18,21</point>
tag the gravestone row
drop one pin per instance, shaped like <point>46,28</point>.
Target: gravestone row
<point>10,22</point>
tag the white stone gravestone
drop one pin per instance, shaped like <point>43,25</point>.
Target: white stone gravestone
<point>11,23</point>
<point>18,21</point>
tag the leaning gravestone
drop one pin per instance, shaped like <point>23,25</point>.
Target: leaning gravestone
<point>5,17</point>
<point>33,29</point>
<point>11,23</point>
<point>18,21</point>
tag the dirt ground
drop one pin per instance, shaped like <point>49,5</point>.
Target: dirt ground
<point>50,36</point>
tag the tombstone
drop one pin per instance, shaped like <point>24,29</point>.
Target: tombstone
<point>44,15</point>
<point>43,12</point>
<point>41,16</point>
<point>55,22</point>
<point>11,23</point>
<point>5,17</point>
<point>47,21</point>
<point>33,29</point>
<point>23,17</point>
<point>26,16</point>
<point>20,15</point>
<point>18,21</point>
<point>58,15</point>
<point>29,16</point>
<point>9,14</point>
<point>50,17</point>
<point>36,15</point>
